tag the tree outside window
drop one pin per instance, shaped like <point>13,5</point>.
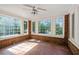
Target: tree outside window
<point>44,26</point>
<point>59,26</point>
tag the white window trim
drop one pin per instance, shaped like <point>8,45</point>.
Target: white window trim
<point>22,26</point>
<point>49,35</point>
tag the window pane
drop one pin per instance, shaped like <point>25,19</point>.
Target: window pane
<point>9,26</point>
<point>59,26</point>
<point>33,27</point>
<point>25,26</point>
<point>16,26</point>
<point>73,25</point>
<point>44,26</point>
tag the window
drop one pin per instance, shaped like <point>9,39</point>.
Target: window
<point>33,27</point>
<point>73,25</point>
<point>25,26</point>
<point>59,26</point>
<point>9,26</point>
<point>16,26</point>
<point>44,26</point>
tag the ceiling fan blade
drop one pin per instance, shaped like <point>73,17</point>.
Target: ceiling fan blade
<point>27,5</point>
<point>41,9</point>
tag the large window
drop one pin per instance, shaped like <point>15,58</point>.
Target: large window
<point>59,26</point>
<point>9,26</point>
<point>25,26</point>
<point>44,26</point>
<point>33,27</point>
<point>49,26</point>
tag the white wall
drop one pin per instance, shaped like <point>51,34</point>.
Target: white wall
<point>75,40</point>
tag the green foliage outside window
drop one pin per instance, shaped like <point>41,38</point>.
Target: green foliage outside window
<point>25,26</point>
<point>44,26</point>
<point>59,26</point>
<point>33,27</point>
<point>59,30</point>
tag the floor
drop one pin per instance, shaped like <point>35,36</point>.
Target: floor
<point>35,47</point>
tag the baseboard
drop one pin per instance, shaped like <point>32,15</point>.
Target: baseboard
<point>73,48</point>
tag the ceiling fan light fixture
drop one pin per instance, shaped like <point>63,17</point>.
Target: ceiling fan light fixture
<point>34,12</point>
<point>35,9</point>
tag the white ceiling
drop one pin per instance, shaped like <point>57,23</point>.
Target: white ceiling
<point>21,10</point>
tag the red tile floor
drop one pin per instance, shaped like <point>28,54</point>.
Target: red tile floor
<point>35,47</point>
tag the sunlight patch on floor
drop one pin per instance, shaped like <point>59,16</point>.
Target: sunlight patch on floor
<point>33,40</point>
<point>22,48</point>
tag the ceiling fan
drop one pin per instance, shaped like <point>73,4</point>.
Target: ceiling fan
<point>35,9</point>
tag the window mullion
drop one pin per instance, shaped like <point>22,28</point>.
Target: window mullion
<point>22,26</point>
<point>36,27</point>
<point>53,27</point>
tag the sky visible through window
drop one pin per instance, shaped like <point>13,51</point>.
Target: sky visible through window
<point>45,21</point>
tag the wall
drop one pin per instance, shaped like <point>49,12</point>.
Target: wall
<point>11,41</point>
<point>66,27</point>
<point>17,38</point>
<point>29,29</point>
<point>74,42</point>
<point>73,48</point>
<point>56,40</point>
<point>52,37</point>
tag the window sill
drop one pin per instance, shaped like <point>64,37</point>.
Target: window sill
<point>50,35</point>
<point>11,36</point>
